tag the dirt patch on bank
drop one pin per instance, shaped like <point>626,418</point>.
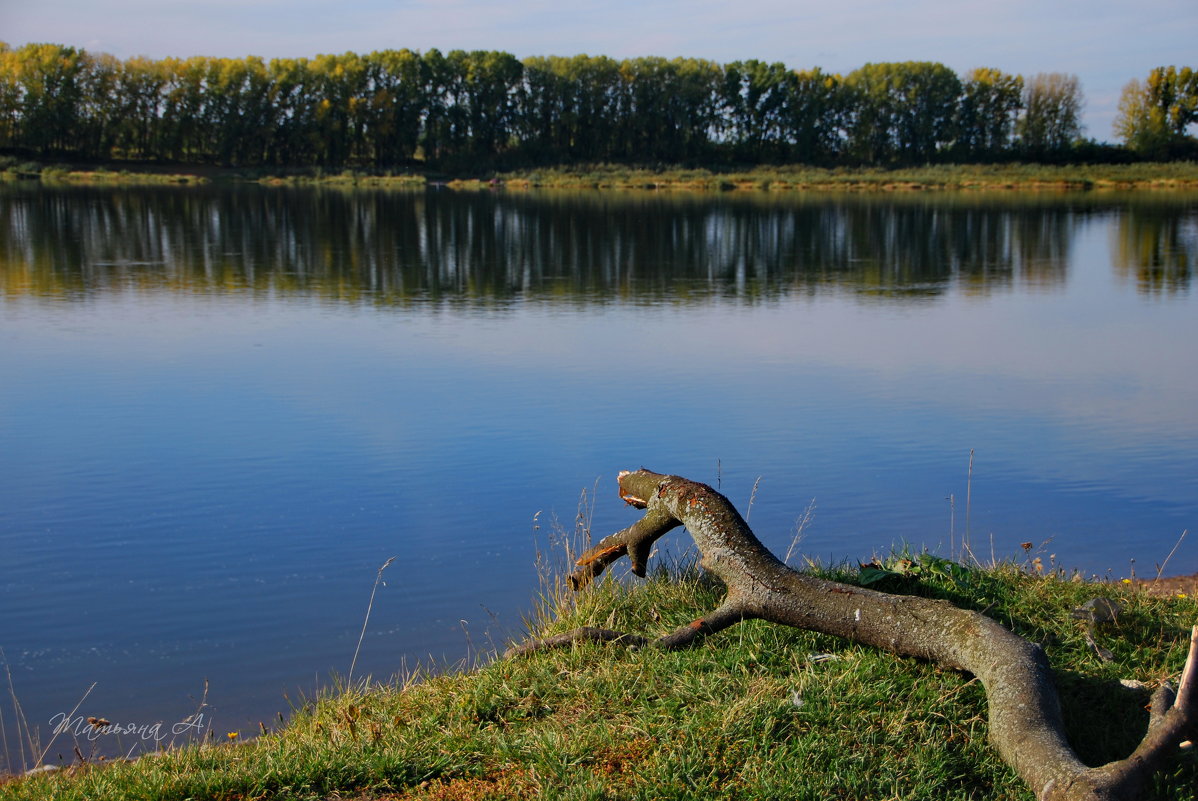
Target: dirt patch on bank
<point>1170,586</point>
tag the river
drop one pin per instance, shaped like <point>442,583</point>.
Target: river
<point>223,409</point>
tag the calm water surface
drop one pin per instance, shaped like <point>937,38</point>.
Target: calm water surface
<point>221,411</point>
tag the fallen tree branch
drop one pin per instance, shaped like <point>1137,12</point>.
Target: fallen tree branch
<point>1024,711</point>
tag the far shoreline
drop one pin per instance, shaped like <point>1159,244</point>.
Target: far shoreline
<point>1019,177</point>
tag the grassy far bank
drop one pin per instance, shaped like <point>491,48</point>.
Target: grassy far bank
<point>802,178</point>
<point>1146,175</point>
<point>758,711</point>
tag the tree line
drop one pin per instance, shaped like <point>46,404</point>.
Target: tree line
<point>394,108</point>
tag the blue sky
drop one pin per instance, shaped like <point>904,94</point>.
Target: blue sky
<point>1104,42</point>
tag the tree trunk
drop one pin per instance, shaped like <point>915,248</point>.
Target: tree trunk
<point>1024,712</point>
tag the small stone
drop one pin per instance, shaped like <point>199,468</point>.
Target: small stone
<point>1098,610</point>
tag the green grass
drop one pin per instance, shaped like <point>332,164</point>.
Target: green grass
<point>783,178</point>
<point>749,714</point>
<point>348,179</point>
<point>799,177</point>
<point>13,169</point>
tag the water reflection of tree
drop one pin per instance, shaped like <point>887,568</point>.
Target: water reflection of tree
<point>1157,247</point>
<point>494,248</point>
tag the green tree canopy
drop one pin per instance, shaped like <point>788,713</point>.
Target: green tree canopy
<point>483,109</point>
<point>1052,107</point>
<point>990,103</point>
<point>902,112</point>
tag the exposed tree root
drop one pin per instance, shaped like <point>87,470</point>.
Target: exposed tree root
<point>1024,711</point>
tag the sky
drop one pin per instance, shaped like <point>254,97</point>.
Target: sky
<point>1105,43</point>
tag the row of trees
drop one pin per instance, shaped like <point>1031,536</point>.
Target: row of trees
<point>1154,115</point>
<point>391,108</point>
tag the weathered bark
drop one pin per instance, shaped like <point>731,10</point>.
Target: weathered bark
<point>1025,717</point>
